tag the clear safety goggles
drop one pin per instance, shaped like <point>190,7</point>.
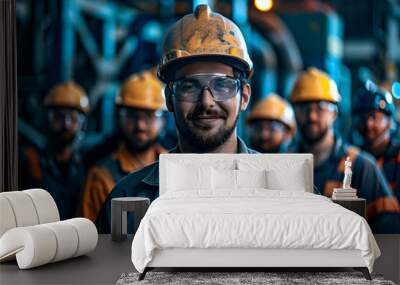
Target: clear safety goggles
<point>190,88</point>
<point>318,107</point>
<point>133,115</point>
<point>271,126</point>
<point>69,117</point>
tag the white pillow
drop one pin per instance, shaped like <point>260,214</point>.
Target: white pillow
<point>185,177</point>
<point>228,179</point>
<point>224,179</point>
<point>295,180</point>
<point>251,178</point>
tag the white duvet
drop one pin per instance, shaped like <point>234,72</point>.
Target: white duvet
<point>254,218</point>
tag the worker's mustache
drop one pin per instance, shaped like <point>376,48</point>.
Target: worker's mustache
<point>309,123</point>
<point>199,113</point>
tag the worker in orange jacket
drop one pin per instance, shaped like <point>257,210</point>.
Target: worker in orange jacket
<point>139,105</point>
<point>59,167</point>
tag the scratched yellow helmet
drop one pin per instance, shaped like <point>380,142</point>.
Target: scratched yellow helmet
<point>208,35</point>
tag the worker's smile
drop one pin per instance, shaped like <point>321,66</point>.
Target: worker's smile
<point>207,122</point>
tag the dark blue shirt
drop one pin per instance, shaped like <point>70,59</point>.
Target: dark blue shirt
<point>64,181</point>
<point>389,163</point>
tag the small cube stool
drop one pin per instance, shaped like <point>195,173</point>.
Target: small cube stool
<point>119,209</point>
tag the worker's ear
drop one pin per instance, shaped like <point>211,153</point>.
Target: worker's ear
<point>160,120</point>
<point>118,116</point>
<point>245,98</point>
<point>334,115</point>
<point>168,99</point>
<point>288,135</point>
<point>389,124</point>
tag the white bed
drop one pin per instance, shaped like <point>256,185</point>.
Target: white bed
<point>225,210</point>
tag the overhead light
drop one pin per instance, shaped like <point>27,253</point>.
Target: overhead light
<point>264,5</point>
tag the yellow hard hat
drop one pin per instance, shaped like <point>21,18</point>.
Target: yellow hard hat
<point>68,94</point>
<point>207,35</point>
<point>273,107</point>
<point>314,85</point>
<point>142,90</point>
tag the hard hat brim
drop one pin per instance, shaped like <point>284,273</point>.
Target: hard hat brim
<point>251,119</point>
<point>311,100</point>
<point>167,70</point>
<point>67,106</point>
<point>140,105</point>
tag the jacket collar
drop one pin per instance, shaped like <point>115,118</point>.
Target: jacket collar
<point>129,162</point>
<point>392,150</point>
<point>338,149</point>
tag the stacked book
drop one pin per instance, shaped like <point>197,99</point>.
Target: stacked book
<point>344,194</point>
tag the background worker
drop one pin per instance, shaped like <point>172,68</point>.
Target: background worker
<point>139,105</point>
<point>315,98</point>
<point>58,168</point>
<point>271,125</point>
<point>376,119</point>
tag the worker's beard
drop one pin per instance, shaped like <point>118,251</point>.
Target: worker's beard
<point>312,138</point>
<point>273,149</point>
<point>59,141</point>
<point>133,145</point>
<point>203,142</point>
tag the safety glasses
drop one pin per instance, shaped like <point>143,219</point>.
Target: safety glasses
<point>271,126</point>
<point>377,117</point>
<point>134,115</point>
<point>190,88</point>
<point>319,107</point>
<point>70,117</point>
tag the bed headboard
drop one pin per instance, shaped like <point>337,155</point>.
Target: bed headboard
<point>282,162</point>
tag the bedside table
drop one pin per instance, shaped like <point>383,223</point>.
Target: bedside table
<point>357,205</point>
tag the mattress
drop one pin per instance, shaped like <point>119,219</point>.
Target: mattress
<point>251,219</point>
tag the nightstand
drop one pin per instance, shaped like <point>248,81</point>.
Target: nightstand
<point>357,205</point>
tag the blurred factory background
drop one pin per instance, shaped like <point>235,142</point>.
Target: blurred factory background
<point>98,44</point>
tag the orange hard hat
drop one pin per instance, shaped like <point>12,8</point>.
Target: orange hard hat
<point>275,108</point>
<point>314,85</point>
<point>207,35</point>
<point>68,94</point>
<point>142,90</point>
